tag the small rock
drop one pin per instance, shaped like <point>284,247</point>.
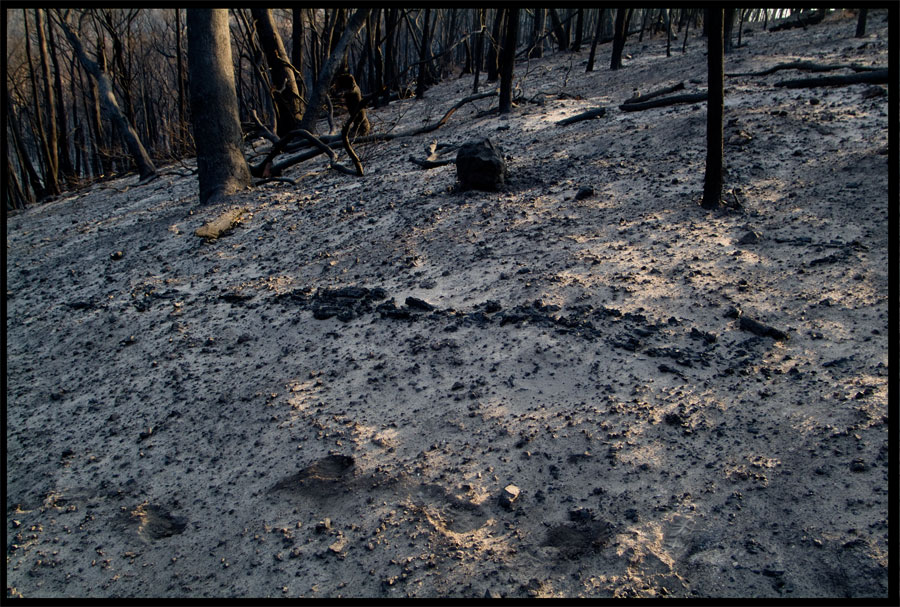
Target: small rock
<point>874,91</point>
<point>323,525</point>
<point>751,237</point>
<point>814,101</point>
<point>492,594</point>
<point>581,515</point>
<point>584,192</point>
<point>117,255</point>
<point>858,465</point>
<point>419,304</point>
<point>510,494</point>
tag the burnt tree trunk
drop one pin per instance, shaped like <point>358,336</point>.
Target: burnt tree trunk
<point>712,183</point>
<point>330,68</point>
<point>508,60</point>
<point>601,17</point>
<point>618,39</point>
<point>861,22</point>
<point>728,28</point>
<point>285,94</point>
<point>579,31</point>
<point>558,31</point>
<point>221,166</point>
<point>422,80</point>
<point>111,108</point>
<point>536,50</point>
<point>493,67</point>
<point>479,47</point>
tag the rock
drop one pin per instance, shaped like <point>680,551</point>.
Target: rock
<point>874,91</point>
<point>858,465</point>
<point>323,525</point>
<point>491,306</point>
<point>580,515</point>
<point>419,304</point>
<point>480,166</point>
<point>492,594</point>
<point>584,192</point>
<point>703,335</point>
<point>754,326</point>
<point>509,496</point>
<point>751,237</point>
<point>117,255</point>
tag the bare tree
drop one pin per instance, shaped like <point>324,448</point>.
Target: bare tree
<point>861,23</point>
<point>110,106</point>
<point>221,166</point>
<point>508,60</point>
<point>619,34</point>
<point>712,183</point>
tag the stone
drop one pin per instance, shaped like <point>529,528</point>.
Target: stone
<point>584,192</point>
<point>509,495</point>
<point>480,166</point>
<point>751,237</point>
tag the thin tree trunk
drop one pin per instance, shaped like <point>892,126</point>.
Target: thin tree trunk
<point>596,41</point>
<point>145,166</point>
<point>558,30</point>
<point>285,94</point>
<point>668,33</point>
<point>46,132</point>
<point>508,60</point>
<point>619,38</point>
<point>181,130</point>
<point>65,159</point>
<point>492,70</point>
<point>308,123</point>
<point>687,29</point>
<point>861,23</point>
<point>712,183</point>
<point>579,31</point>
<point>24,160</point>
<point>728,26</point>
<point>479,47</point>
<point>424,57</point>
<point>537,34</point>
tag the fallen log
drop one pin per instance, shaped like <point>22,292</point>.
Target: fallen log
<point>432,160</point>
<point>808,66</point>
<point>658,93</point>
<point>588,115</point>
<point>663,102</point>
<point>875,77</point>
<point>221,224</point>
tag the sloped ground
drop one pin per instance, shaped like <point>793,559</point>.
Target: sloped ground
<point>179,423</point>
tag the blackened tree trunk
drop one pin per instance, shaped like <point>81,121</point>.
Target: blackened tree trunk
<point>285,94</point>
<point>668,33</point>
<point>65,159</point>
<point>508,60</point>
<point>712,183</point>
<point>618,39</point>
<point>861,22</point>
<point>479,46</point>
<point>579,31</point>
<point>601,17</point>
<point>50,126</point>
<point>424,57</point>
<point>537,33</point>
<point>493,68</point>
<point>728,27</point>
<point>111,108</point>
<point>221,165</point>
<point>330,68</point>
<point>181,130</point>
<point>558,31</point>
<point>297,47</point>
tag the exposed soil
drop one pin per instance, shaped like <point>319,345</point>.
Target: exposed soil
<point>217,420</point>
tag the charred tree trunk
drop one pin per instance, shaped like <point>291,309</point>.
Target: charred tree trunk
<point>619,38</point>
<point>668,33</point>
<point>65,159</point>
<point>221,166</point>
<point>558,30</point>
<point>329,69</point>
<point>728,28</point>
<point>712,183</point>
<point>285,94</point>
<point>600,21</point>
<point>508,60</point>
<point>493,67</point>
<point>181,129</point>
<point>50,126</point>
<point>536,49</point>
<point>479,47</point>
<point>422,80</point>
<point>579,31</point>
<point>110,106</point>
<point>861,23</point>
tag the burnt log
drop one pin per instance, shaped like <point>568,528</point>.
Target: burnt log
<point>874,77</point>
<point>664,101</point>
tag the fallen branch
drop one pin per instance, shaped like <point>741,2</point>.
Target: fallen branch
<point>588,115</point>
<point>808,66</point>
<point>432,161</point>
<point>665,101</point>
<point>875,77</point>
<point>658,93</point>
<point>220,224</point>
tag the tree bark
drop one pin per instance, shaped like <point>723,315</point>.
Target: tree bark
<point>508,60</point>
<point>479,47</point>
<point>424,57</point>
<point>110,106</point>
<point>712,183</point>
<point>619,39</point>
<point>861,23</point>
<point>50,126</point>
<point>329,69</point>
<point>493,65</point>
<point>222,169</point>
<point>728,28</point>
<point>600,20</point>
<point>65,159</point>
<point>873,77</point>
<point>285,94</point>
<point>558,30</point>
<point>579,30</point>
<point>536,49</point>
